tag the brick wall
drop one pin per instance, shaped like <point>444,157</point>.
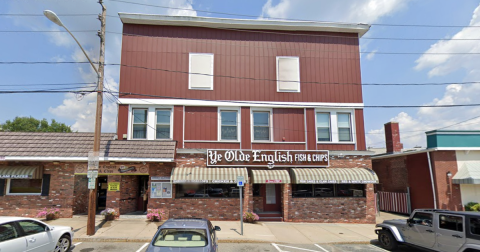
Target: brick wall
<point>257,204</point>
<point>392,174</point>
<point>60,193</point>
<point>113,197</point>
<point>351,161</point>
<point>128,193</point>
<point>448,194</point>
<point>80,194</point>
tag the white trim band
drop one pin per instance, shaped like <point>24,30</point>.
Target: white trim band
<point>113,159</point>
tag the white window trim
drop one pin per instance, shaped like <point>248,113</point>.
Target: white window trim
<point>334,125</point>
<point>171,123</point>
<point>252,110</point>
<point>219,127</point>
<point>161,182</point>
<point>278,83</point>
<point>351,127</point>
<point>329,126</point>
<point>8,190</point>
<point>151,122</point>
<point>190,70</point>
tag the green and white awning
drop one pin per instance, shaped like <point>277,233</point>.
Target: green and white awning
<point>270,177</point>
<point>469,173</point>
<point>20,172</point>
<point>333,176</point>
<point>181,175</point>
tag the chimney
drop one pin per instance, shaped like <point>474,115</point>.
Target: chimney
<point>392,137</point>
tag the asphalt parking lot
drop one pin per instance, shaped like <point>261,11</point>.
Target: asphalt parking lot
<point>234,247</point>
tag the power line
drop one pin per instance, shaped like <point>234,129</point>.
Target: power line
<point>41,15</point>
<point>44,62</point>
<point>46,84</point>
<point>290,19</point>
<point>51,31</point>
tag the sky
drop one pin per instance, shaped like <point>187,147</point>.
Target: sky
<point>431,56</point>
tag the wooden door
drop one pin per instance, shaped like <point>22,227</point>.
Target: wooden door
<point>272,198</point>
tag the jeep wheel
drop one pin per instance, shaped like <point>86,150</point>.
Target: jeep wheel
<point>386,239</point>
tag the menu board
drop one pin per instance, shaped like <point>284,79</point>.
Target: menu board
<point>161,190</point>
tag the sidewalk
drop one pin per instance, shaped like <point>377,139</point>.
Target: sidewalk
<point>140,230</point>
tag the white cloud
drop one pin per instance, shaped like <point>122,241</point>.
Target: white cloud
<point>83,111</point>
<point>371,54</point>
<point>365,11</point>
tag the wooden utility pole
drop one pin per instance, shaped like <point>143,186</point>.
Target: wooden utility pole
<point>92,196</point>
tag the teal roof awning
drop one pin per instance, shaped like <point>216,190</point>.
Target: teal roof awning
<point>469,173</point>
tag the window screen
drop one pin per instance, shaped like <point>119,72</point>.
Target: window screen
<point>163,123</point>
<point>323,127</point>
<point>201,71</point>
<point>139,123</point>
<point>344,127</point>
<point>261,126</point>
<point>288,74</point>
<point>229,125</point>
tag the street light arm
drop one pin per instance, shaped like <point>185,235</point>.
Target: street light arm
<point>89,60</point>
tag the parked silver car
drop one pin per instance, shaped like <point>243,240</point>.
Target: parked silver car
<point>436,230</point>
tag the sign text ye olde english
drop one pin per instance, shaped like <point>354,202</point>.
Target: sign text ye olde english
<point>267,158</point>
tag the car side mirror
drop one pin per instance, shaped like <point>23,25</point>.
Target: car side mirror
<point>48,229</point>
<point>217,228</point>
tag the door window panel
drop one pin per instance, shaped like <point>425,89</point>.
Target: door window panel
<point>424,219</point>
<point>449,222</point>
<point>7,232</point>
<point>475,226</point>
<point>271,196</point>
<point>31,227</point>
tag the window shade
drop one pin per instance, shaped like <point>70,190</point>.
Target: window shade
<point>288,74</point>
<point>201,71</point>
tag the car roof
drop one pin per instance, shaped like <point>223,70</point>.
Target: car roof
<point>4,219</point>
<point>185,223</point>
<point>449,211</point>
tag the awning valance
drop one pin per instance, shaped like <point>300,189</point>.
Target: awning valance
<point>270,177</point>
<point>20,172</point>
<point>334,176</point>
<point>469,173</point>
<point>182,175</point>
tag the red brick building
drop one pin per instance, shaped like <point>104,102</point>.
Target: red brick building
<point>277,102</point>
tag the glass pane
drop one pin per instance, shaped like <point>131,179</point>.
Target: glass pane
<point>350,190</point>
<point>31,227</point>
<point>323,190</point>
<point>163,131</point>
<point>229,133</point>
<point>163,116</point>
<point>261,133</point>
<point>323,120</point>
<point>302,190</point>
<point>475,226</point>
<point>7,232</point>
<point>229,118</point>
<point>343,120</point>
<point>261,118</point>
<point>189,190</point>
<point>139,116</point>
<point>182,237</point>
<point>323,134</point>
<point>344,134</point>
<point>270,194</point>
<point>450,222</point>
<point>140,131</point>
<point>25,186</point>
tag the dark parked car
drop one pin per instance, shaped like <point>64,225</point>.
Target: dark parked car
<point>185,235</point>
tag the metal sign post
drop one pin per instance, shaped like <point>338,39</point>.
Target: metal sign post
<point>240,183</point>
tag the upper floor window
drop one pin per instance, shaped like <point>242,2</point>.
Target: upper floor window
<point>261,126</point>
<point>288,74</point>
<point>200,71</point>
<point>139,124</point>
<point>344,127</point>
<point>164,117</point>
<point>229,125</point>
<point>323,127</point>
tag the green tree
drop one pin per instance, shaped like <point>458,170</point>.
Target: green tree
<point>30,124</point>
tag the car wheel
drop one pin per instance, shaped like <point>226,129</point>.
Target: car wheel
<point>387,241</point>
<point>63,244</point>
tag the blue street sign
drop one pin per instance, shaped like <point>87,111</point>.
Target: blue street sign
<point>239,183</point>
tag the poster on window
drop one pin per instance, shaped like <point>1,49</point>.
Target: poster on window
<point>161,190</point>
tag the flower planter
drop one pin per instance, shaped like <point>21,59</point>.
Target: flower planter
<point>50,216</point>
<point>109,217</point>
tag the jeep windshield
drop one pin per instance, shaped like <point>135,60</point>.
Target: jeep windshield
<point>181,237</point>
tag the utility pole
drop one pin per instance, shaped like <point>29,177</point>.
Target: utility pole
<point>92,196</point>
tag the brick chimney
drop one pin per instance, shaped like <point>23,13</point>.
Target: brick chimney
<point>392,137</point>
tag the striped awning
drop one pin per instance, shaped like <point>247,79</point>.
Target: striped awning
<point>20,172</point>
<point>334,176</point>
<point>182,175</point>
<point>270,177</point>
<point>469,173</point>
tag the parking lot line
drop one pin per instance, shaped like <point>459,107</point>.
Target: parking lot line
<point>321,247</point>
<point>140,249</point>
<point>281,245</point>
<point>78,243</point>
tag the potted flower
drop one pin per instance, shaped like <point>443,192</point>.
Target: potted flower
<point>250,217</point>
<point>49,214</point>
<point>109,214</point>
<point>156,214</point>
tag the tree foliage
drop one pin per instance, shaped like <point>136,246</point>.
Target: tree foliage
<point>30,124</point>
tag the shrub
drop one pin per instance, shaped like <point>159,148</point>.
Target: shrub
<point>470,206</point>
<point>156,214</point>
<point>476,207</point>
<point>51,213</point>
<point>109,211</point>
<point>250,217</point>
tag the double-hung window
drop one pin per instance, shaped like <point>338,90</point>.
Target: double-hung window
<point>229,125</point>
<point>261,126</point>
<point>323,127</point>
<point>164,117</point>
<point>344,127</point>
<point>139,124</point>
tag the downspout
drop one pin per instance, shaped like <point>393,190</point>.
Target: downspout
<point>431,179</point>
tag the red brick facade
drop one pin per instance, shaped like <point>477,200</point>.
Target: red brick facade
<point>448,194</point>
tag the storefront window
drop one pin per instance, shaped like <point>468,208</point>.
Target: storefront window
<point>161,190</point>
<point>328,190</point>
<point>207,191</point>
<point>32,186</point>
<point>256,189</point>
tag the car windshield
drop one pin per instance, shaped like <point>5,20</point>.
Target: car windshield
<point>181,237</point>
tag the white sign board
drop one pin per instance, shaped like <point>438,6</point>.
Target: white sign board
<point>240,180</point>
<point>91,183</point>
<point>93,160</point>
<point>92,174</point>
